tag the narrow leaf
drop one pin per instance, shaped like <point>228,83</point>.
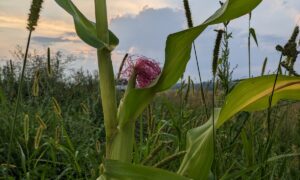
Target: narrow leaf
<point>120,170</point>
<point>253,34</point>
<point>264,66</point>
<point>253,95</point>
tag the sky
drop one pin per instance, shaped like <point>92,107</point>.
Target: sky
<point>143,26</point>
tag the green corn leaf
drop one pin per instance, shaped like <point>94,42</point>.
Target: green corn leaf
<point>133,104</point>
<point>199,151</point>
<point>179,44</point>
<point>86,29</point>
<point>119,170</point>
<point>253,34</point>
<point>253,95</point>
<point>177,55</point>
<point>249,95</point>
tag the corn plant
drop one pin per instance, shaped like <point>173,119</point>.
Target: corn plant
<point>249,95</point>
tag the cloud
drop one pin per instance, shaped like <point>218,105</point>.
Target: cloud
<point>67,37</point>
<point>11,22</point>
<point>272,17</point>
<point>134,7</point>
<point>47,40</point>
<point>45,26</point>
<point>147,31</point>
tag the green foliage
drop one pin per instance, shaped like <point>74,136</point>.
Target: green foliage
<point>224,71</point>
<point>120,170</point>
<point>53,155</point>
<point>199,151</point>
<point>253,95</point>
<point>86,29</point>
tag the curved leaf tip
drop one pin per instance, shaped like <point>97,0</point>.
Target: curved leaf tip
<point>86,29</point>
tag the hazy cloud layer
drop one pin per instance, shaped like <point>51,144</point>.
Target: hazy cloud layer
<point>67,37</point>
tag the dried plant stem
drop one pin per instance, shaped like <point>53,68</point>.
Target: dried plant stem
<point>214,128</point>
<point>271,98</point>
<point>153,153</point>
<point>200,81</point>
<point>21,80</point>
<point>169,159</point>
<point>270,133</point>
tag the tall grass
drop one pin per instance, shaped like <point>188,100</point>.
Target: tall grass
<point>32,22</point>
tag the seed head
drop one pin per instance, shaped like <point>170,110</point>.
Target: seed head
<point>34,14</point>
<point>294,34</point>
<point>49,69</point>
<point>217,51</point>
<point>188,13</point>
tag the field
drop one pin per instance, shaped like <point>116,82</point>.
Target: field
<point>57,123</point>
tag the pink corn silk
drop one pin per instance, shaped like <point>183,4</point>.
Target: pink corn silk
<point>147,70</point>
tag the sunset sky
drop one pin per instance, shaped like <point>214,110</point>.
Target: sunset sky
<point>142,27</point>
